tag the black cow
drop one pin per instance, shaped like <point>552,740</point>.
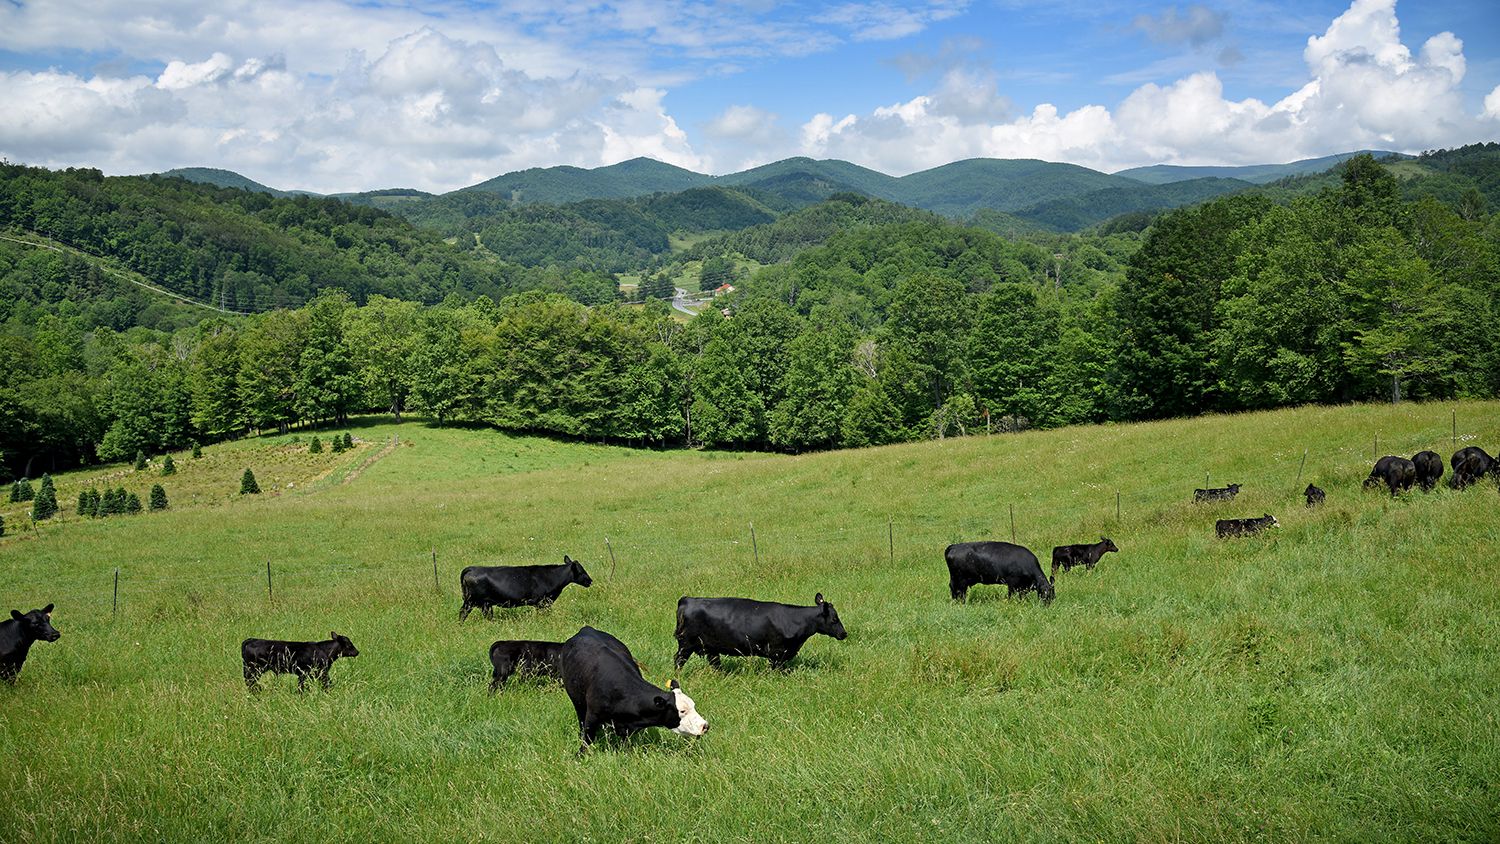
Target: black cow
<point>718,627</point>
<point>605,684</point>
<point>1314,495</point>
<point>1068,556</point>
<point>1225,493</point>
<point>1469,465</point>
<point>543,659</point>
<point>301,658</point>
<point>973,563</point>
<point>1397,473</point>
<point>487,587</point>
<point>1429,469</point>
<point>1244,527</point>
<point>16,635</point>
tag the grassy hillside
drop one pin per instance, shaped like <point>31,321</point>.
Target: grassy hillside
<point>1334,679</point>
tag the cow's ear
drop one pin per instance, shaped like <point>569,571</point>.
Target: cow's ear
<point>16,614</point>
<point>568,560</point>
<point>47,610</point>
<point>674,685</point>
<point>818,599</point>
<point>332,635</point>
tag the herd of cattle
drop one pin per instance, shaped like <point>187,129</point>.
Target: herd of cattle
<point>604,680</point>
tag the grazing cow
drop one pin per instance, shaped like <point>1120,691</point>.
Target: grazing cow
<point>1429,469</point>
<point>973,563</point>
<point>1244,527</point>
<point>1469,465</point>
<point>1314,495</point>
<point>605,684</point>
<point>718,627</point>
<point>1068,556</point>
<point>487,587</point>
<point>301,658</point>
<point>16,635</point>
<point>543,659</point>
<point>1226,493</point>
<point>1397,473</point>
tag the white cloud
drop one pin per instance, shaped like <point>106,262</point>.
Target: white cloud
<point>1492,104</point>
<point>1365,89</point>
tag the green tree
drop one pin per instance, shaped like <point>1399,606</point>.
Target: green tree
<point>140,460</point>
<point>45,505</point>
<point>716,270</point>
<point>168,467</point>
<point>84,508</point>
<point>158,497</point>
<point>2,525</point>
<point>819,382</point>
<point>132,503</point>
<point>270,349</point>
<point>326,384</point>
<point>316,446</point>
<point>348,441</point>
<point>1013,352</point>
<point>381,337</point>
<point>248,486</point>
<point>197,451</point>
<point>21,491</point>
<point>213,375</point>
<point>930,315</point>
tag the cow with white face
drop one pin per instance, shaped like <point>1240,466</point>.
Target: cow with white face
<point>605,684</point>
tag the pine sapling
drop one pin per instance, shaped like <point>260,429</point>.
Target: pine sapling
<point>315,447</point>
<point>167,466</point>
<point>132,503</point>
<point>140,460</point>
<point>45,504</point>
<point>158,497</point>
<point>248,486</point>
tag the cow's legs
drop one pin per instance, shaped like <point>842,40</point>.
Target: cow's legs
<point>684,653</point>
<point>713,660</point>
<point>324,679</point>
<point>463,612</point>
<point>489,612</point>
<point>251,675</point>
<point>957,590</point>
<point>301,681</point>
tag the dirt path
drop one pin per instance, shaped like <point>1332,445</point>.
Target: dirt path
<point>370,461</point>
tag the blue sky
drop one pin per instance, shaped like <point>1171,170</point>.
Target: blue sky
<point>330,95</point>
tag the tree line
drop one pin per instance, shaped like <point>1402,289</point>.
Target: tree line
<point>884,333</point>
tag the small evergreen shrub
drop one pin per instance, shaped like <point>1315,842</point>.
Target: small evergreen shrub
<point>132,503</point>
<point>158,497</point>
<point>92,508</point>
<point>83,504</point>
<point>140,460</point>
<point>2,525</point>
<point>45,504</point>
<point>248,486</point>
<point>315,447</point>
<point>197,451</point>
<point>21,491</point>
<point>167,466</point>
<point>337,444</point>
<point>348,440</point>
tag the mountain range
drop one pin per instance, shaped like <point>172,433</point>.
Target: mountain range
<point>1063,197</point>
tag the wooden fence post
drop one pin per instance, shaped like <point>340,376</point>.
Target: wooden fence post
<point>753,545</point>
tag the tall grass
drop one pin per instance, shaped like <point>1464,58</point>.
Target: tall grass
<point>1335,678</point>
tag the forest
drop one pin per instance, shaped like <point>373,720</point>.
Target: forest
<point>868,324</point>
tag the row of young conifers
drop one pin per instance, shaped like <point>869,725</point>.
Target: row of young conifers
<point>603,679</point>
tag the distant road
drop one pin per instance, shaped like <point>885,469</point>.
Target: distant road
<point>680,301</point>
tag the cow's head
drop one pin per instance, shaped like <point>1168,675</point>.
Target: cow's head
<point>1109,544</point>
<point>1372,482</point>
<point>1270,520</point>
<point>689,722</point>
<point>345,647</point>
<point>1310,491</point>
<point>575,568</point>
<point>1045,591</point>
<point>36,625</point>
<point>1234,489</point>
<point>828,619</point>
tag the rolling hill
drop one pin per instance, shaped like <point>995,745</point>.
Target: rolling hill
<point>557,185</point>
<point>1259,174</point>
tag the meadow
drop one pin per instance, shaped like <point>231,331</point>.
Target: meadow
<point>1335,678</point>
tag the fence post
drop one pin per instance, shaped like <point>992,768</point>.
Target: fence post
<point>1376,455</point>
<point>1012,523</point>
<point>611,559</point>
<point>269,596</point>
<point>1117,505</point>
<point>114,606</point>
<point>1299,468</point>
<point>753,546</point>
<point>435,586</point>
<point>1455,428</point>
<point>890,534</point>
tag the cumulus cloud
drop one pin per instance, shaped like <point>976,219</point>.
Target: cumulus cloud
<point>1365,88</point>
<point>1195,25</point>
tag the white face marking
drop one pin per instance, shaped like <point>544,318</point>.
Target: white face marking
<point>691,724</point>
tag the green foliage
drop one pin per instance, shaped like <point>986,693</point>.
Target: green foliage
<point>158,497</point>
<point>132,503</point>
<point>45,504</point>
<point>21,491</point>
<point>716,271</point>
<point>140,460</point>
<point>316,446</point>
<point>248,486</point>
<point>2,525</point>
<point>348,440</point>
<point>336,444</point>
<point>168,467</point>
<point>197,451</point>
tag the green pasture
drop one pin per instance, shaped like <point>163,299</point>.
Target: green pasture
<point>1334,679</point>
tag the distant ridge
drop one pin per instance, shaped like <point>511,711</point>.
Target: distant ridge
<point>556,185</point>
<point>1258,174</point>
<point>222,179</point>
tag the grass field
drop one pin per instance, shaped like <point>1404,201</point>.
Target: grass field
<point>1334,679</point>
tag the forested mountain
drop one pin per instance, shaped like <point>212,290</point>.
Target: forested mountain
<point>223,179</point>
<point>1259,174</point>
<point>243,250</point>
<point>557,185</point>
<point>773,243</point>
<point>1074,213</point>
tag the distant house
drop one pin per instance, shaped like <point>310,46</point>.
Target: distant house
<point>723,288</point>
